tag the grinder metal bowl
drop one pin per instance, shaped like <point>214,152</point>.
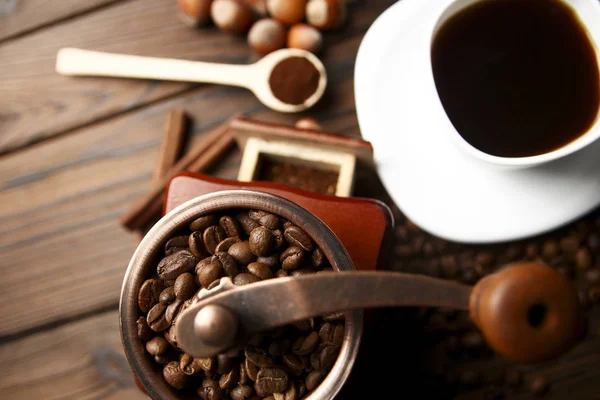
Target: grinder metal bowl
<point>144,260</point>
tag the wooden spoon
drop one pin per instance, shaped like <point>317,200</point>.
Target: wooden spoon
<point>528,312</point>
<point>255,77</point>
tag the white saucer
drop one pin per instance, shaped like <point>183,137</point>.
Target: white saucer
<point>434,183</point>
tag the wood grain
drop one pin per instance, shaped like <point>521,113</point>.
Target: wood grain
<point>33,14</point>
<point>37,103</point>
<point>81,360</point>
<point>62,200</point>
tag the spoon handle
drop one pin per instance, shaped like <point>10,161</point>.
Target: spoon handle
<point>72,61</point>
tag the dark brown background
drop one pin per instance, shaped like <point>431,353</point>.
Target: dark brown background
<point>76,153</point>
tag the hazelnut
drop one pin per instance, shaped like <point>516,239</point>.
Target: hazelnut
<point>325,14</point>
<point>194,12</point>
<point>231,15</point>
<point>287,11</point>
<point>267,35</point>
<point>308,123</point>
<point>305,37</point>
<point>259,7</point>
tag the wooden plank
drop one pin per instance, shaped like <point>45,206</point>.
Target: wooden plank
<point>37,103</point>
<point>33,14</point>
<point>78,361</point>
<point>62,198</point>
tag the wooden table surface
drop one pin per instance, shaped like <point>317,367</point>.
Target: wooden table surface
<point>76,153</point>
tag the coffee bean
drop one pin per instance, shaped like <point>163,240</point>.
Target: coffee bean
<point>208,365</point>
<point>241,392</point>
<point>281,273</point>
<point>583,258</point>
<point>272,380</point>
<point>227,262</point>
<point>295,362</point>
<point>209,273</point>
<point>592,276</point>
<point>334,317</point>
<point>569,244</point>
<point>594,294</point>
<point>243,374</point>
<point>513,252</point>
<point>449,266</point>
<point>472,340</point>
<point>214,284</point>
<point>297,237</point>
<point>149,294</point>
<point>230,226</point>
<point>261,393</point>
<point>306,345</point>
<point>469,377</point>
<point>245,278</point>
<point>513,378</point>
<point>593,242</point>
<point>332,333</point>
<point>170,267</point>
<point>143,330</point>
<point>257,214</point>
<point>550,249</point>
<point>230,379</point>
<point>247,224</point>
<point>277,239</point>
<point>171,336</point>
<point>291,258</point>
<point>279,347</point>
<point>241,252</point>
<point>196,244</point>
<point>185,286</point>
<point>156,318</point>
<point>226,244</point>
<point>176,244</point>
<point>173,310</point>
<point>258,357</point>
<point>251,369</point>
<point>210,390</point>
<point>261,241</point>
<point>324,358</point>
<point>539,385</point>
<point>212,236</point>
<point>189,365</point>
<point>174,376</point>
<point>313,379</point>
<point>200,224</point>
<point>163,359</point>
<point>485,259</point>
<point>271,261</point>
<point>224,364</point>
<point>256,340</point>
<point>167,296</point>
<point>404,251</point>
<point>260,270</point>
<point>202,263</point>
<point>270,221</point>
<point>157,346</point>
<point>318,258</point>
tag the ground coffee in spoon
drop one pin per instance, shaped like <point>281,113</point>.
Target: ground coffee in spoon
<point>294,80</point>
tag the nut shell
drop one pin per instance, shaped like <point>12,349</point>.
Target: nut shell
<point>267,35</point>
<point>194,12</point>
<point>305,37</point>
<point>287,11</point>
<point>232,16</point>
<point>325,14</point>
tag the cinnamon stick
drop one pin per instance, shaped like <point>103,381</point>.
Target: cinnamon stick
<point>170,149</point>
<point>201,157</point>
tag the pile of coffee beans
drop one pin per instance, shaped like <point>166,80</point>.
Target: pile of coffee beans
<point>247,246</point>
<point>458,349</point>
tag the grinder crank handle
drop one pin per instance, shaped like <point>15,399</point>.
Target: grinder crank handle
<point>528,312</point>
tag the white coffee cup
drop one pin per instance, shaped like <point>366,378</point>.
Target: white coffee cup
<point>588,12</point>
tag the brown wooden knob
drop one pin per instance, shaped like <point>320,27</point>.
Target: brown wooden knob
<point>527,311</point>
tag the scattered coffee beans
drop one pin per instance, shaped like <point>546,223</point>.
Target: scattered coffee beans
<point>247,246</point>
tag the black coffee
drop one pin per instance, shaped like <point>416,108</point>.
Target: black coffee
<point>517,78</point>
